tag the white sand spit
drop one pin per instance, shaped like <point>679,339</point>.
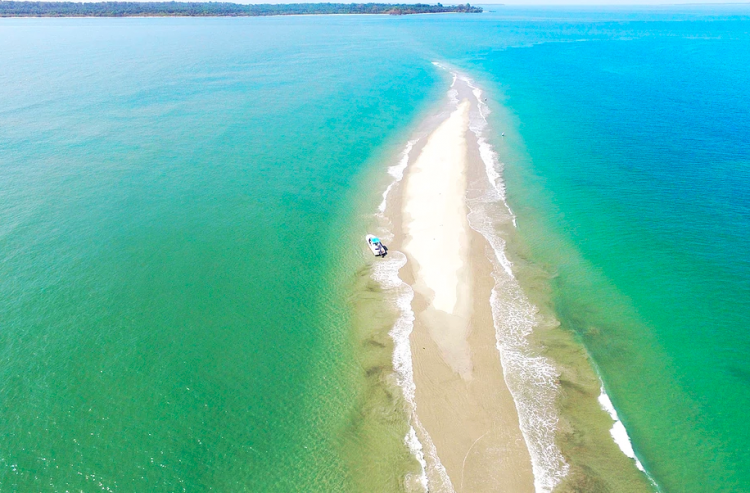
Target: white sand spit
<point>436,237</point>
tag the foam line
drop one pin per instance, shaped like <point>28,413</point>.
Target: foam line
<point>417,439</point>
<point>433,477</point>
<point>531,379</point>
<point>618,431</point>
<point>397,172</point>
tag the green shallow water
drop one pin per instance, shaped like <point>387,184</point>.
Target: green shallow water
<point>175,206</point>
<point>166,324</point>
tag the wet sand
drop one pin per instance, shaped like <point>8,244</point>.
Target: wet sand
<point>462,400</point>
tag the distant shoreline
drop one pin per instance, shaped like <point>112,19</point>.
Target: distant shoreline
<point>216,9</point>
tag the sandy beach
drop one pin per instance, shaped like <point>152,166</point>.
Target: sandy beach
<point>462,400</point>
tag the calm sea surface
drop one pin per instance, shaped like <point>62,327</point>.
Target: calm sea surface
<point>181,204</point>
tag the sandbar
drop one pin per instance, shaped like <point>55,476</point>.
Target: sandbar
<point>462,400</point>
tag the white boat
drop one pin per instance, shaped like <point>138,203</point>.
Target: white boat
<point>376,246</point>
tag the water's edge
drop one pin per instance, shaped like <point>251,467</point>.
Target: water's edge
<point>532,376</point>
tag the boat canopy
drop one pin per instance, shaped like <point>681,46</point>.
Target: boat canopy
<point>375,240</point>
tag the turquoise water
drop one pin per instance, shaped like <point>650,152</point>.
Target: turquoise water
<point>642,148</point>
<point>167,324</point>
<point>174,194</point>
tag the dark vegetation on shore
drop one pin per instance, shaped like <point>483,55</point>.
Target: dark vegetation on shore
<point>198,9</point>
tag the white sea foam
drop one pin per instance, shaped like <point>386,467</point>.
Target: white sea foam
<point>452,93</point>
<point>620,435</point>
<point>552,467</point>
<point>397,172</point>
<point>433,477</point>
<point>618,431</point>
<point>416,449</point>
<point>531,378</point>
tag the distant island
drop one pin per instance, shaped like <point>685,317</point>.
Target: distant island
<point>207,9</point>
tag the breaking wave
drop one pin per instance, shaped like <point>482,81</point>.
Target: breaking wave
<point>433,477</point>
<point>397,172</point>
<point>531,379</point>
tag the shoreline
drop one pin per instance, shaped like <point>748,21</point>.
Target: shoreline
<point>462,411</point>
<point>491,393</point>
<point>207,16</point>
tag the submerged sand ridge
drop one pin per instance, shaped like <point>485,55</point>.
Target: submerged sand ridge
<point>481,397</point>
<point>463,404</point>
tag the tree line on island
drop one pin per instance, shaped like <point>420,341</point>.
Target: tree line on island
<point>224,9</point>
